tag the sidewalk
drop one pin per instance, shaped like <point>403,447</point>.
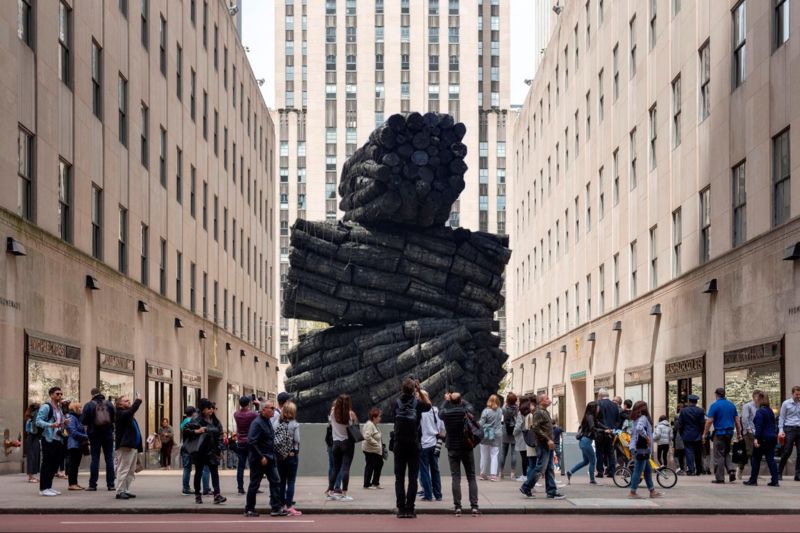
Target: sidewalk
<point>159,492</point>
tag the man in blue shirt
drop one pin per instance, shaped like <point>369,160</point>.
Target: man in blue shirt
<point>789,428</point>
<point>723,415</point>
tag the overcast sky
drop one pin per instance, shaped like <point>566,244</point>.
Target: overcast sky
<point>258,33</point>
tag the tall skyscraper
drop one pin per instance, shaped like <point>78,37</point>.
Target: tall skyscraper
<point>343,67</point>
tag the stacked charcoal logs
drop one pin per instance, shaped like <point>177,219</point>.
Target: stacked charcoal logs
<point>410,171</point>
<point>405,294</point>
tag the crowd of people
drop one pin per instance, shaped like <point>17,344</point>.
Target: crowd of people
<point>60,433</point>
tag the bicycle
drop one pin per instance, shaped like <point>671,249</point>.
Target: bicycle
<point>665,476</point>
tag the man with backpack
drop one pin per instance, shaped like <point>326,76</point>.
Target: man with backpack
<point>98,417</point>
<point>460,441</point>
<point>406,437</point>
<point>50,420</point>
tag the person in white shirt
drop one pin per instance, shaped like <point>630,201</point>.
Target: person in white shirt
<point>748,428</point>
<point>432,434</point>
<point>789,431</point>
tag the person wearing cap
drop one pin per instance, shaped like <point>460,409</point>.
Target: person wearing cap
<point>244,417</point>
<point>283,397</point>
<point>690,427</point>
<point>725,418</point>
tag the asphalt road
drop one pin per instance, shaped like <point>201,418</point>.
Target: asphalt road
<point>194,523</point>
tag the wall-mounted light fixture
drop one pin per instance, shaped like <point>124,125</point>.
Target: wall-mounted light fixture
<point>711,286</point>
<point>592,337</point>
<point>563,348</point>
<point>14,247</point>
<point>617,326</point>
<point>241,353</point>
<point>792,253</point>
<point>203,334</point>
<point>91,283</point>
<point>142,307</point>
<point>178,323</point>
<point>228,347</point>
<point>655,310</point>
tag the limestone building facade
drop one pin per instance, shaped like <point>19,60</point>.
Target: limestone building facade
<point>654,218</point>
<point>136,209</point>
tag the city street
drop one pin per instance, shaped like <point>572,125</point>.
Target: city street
<point>385,523</point>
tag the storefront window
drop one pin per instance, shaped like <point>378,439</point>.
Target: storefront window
<point>45,374</point>
<point>191,395</point>
<point>740,383</point>
<point>640,391</point>
<point>159,405</point>
<point>114,385</point>
<point>678,391</point>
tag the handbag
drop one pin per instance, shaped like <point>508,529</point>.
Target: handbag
<point>529,437</point>
<point>739,453</point>
<point>192,446</point>
<point>354,433</point>
<point>85,449</point>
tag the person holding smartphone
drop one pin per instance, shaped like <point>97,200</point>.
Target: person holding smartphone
<point>50,420</point>
<point>128,438</point>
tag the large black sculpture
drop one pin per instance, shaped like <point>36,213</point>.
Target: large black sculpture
<point>406,294</point>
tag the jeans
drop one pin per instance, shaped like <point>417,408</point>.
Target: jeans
<point>343,451</point>
<point>338,483</point>
<point>33,457</point>
<point>186,461</point>
<point>642,465</point>
<point>287,470</point>
<point>468,460</point>
<point>257,473</point>
<point>523,456</point>
<point>663,454</point>
<point>165,455</point>
<point>489,455</point>
<point>589,457</point>
<point>429,476</point>
<point>372,470</point>
<point>200,466</point>
<point>73,464</point>
<point>723,463</point>
<point>694,457</point>
<point>508,446</point>
<point>406,458</point>
<point>560,456</point>
<point>241,452</point>
<point>792,441</point>
<point>101,442</point>
<point>766,449</point>
<point>52,454</point>
<point>542,466</point>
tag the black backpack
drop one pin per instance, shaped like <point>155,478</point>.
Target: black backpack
<point>406,425</point>
<point>509,420</point>
<point>102,415</point>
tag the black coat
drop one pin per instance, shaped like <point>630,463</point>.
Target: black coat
<point>609,414</point>
<point>126,430</point>
<point>452,414</point>
<point>210,441</point>
<point>691,423</point>
<point>261,440</point>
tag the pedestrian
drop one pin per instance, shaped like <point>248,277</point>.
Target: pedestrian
<point>408,409</point>
<point>625,414</point>
<point>77,441</point>
<point>509,420</point>
<point>765,438</point>
<point>432,434</point>
<point>519,438</point>
<point>282,398</point>
<point>341,416</point>
<point>373,449</point>
<point>454,412</point>
<point>723,415</point>
<point>186,460</point>
<point>205,438</point>
<point>98,417</point>
<point>167,437</point>
<point>243,417</point>
<point>128,440</point>
<point>691,421</point>
<point>50,420</point>
<point>263,462</point>
<point>789,431</point>
<point>287,437</point>
<point>542,426</point>
<point>640,446</point>
<point>588,431</point>
<point>331,472</point>
<point>678,447</point>
<point>610,417</point>
<point>662,436</point>
<point>558,460</point>
<point>33,443</point>
<point>748,428</point>
<point>492,424</point>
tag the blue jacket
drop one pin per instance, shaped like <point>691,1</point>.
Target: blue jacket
<point>44,418</point>
<point>77,433</point>
<point>691,423</point>
<point>764,421</point>
<point>261,439</point>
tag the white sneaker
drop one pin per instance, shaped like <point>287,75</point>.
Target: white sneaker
<point>346,499</point>
<point>334,496</point>
<point>48,492</point>
<point>521,478</point>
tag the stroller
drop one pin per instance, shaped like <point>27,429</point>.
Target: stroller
<point>665,476</point>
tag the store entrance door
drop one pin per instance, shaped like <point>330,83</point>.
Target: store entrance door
<point>159,406</point>
<point>685,376</point>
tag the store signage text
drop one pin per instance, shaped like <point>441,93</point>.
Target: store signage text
<point>644,375</point>
<point>753,354</point>
<point>158,372</point>
<point>688,366</point>
<point>559,390</point>
<point>604,382</point>
<point>191,380</point>
<point>50,348</point>
<point>794,310</point>
<point>116,362</point>
<point>5,302</point>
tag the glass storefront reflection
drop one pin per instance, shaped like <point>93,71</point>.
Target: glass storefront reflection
<point>740,384</point>
<point>42,375</point>
<point>114,385</point>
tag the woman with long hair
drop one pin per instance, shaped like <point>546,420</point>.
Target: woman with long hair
<point>341,417</point>
<point>492,424</point>
<point>587,432</point>
<point>33,444</point>
<point>287,466</point>
<point>640,446</point>
<point>509,418</point>
<point>519,438</point>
